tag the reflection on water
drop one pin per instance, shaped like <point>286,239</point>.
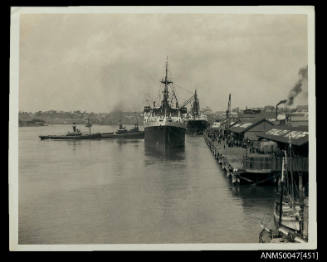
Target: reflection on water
<point>73,143</point>
<point>175,154</point>
<point>123,141</point>
<point>119,191</point>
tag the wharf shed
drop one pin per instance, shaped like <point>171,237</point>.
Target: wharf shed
<point>298,138</point>
<point>250,128</point>
<point>284,135</point>
<point>221,128</point>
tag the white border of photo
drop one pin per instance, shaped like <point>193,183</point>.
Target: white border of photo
<point>16,12</point>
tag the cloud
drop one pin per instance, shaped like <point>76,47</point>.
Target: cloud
<point>96,62</point>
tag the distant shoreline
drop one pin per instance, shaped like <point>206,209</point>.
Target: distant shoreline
<point>80,118</point>
<point>68,124</point>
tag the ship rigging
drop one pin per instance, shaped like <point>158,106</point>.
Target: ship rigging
<point>163,125</point>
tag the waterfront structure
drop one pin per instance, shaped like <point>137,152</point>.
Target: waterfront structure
<point>260,161</point>
<point>232,122</point>
<point>256,113</point>
<point>286,134</point>
<point>298,119</point>
<point>249,129</point>
<point>216,125</point>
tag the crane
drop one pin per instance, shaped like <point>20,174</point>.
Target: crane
<point>189,100</point>
<point>228,111</point>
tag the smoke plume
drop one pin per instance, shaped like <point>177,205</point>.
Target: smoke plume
<point>281,102</point>
<point>303,78</point>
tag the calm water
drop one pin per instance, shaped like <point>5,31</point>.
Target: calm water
<point>110,191</point>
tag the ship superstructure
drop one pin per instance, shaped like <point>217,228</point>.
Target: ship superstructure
<point>196,122</point>
<point>163,125</point>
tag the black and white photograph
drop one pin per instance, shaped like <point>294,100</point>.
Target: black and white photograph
<point>162,128</point>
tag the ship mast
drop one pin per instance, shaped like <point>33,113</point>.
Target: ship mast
<point>196,105</point>
<point>166,82</point>
<point>284,163</point>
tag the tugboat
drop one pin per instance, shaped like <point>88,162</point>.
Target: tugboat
<point>76,134</point>
<point>196,122</point>
<point>135,128</point>
<point>164,127</point>
<point>121,129</point>
<point>122,132</point>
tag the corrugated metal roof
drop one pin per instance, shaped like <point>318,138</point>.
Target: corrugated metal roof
<point>232,123</point>
<point>246,124</point>
<point>285,134</point>
<point>252,135</point>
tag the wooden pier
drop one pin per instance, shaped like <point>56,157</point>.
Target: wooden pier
<point>234,163</point>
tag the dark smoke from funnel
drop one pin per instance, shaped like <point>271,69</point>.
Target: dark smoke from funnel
<point>303,74</point>
<point>280,102</point>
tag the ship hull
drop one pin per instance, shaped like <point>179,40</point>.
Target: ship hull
<point>196,127</point>
<point>164,137</point>
<point>68,137</point>
<point>133,135</point>
<point>138,134</point>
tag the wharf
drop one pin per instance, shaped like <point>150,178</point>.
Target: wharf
<point>233,161</point>
<point>230,158</point>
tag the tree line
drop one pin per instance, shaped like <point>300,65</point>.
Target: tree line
<point>79,117</point>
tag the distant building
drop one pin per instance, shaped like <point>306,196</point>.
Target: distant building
<point>269,109</point>
<point>250,128</point>
<point>302,108</point>
<point>257,113</point>
<point>216,124</point>
<point>296,119</point>
<point>236,109</point>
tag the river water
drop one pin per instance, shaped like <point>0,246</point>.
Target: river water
<point>111,191</point>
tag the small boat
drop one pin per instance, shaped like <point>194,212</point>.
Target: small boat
<point>72,137</point>
<point>122,132</point>
<point>121,129</point>
<point>290,216</point>
<point>135,135</point>
<point>75,135</point>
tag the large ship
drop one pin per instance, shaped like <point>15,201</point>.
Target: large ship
<point>196,122</point>
<point>164,127</point>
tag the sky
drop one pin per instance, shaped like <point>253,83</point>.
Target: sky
<point>108,62</point>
